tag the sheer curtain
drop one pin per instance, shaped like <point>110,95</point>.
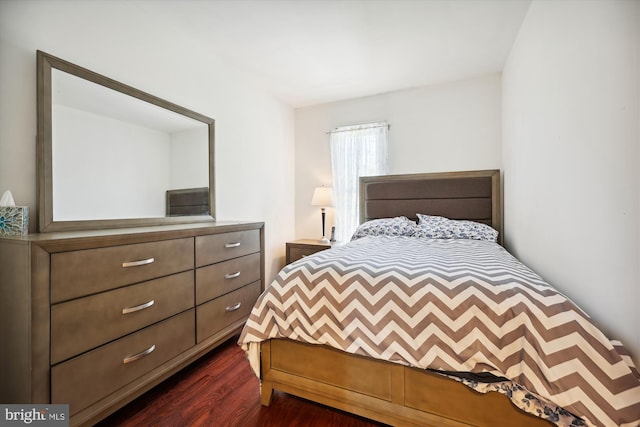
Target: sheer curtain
<point>359,150</point>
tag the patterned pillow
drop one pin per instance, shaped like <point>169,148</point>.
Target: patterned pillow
<point>438,227</point>
<point>433,227</point>
<point>398,226</point>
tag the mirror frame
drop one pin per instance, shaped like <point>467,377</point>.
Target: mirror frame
<point>46,222</point>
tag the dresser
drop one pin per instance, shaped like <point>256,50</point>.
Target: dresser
<point>94,319</point>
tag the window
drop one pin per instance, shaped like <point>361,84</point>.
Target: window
<point>356,151</point>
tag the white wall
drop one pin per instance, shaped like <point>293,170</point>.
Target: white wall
<point>186,146</point>
<point>453,126</point>
<point>129,43</point>
<point>85,187</point>
<point>571,137</point>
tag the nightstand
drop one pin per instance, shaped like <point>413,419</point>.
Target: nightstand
<point>303,247</point>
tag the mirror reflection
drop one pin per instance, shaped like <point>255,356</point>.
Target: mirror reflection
<point>112,156</point>
<point>115,156</point>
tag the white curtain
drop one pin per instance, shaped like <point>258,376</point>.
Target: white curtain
<point>359,150</point>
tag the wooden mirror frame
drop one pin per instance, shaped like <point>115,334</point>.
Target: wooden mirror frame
<point>46,222</point>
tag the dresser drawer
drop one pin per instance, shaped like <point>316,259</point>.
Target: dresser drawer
<point>216,315</point>
<point>98,373</point>
<point>221,278</point>
<point>82,324</point>
<point>78,273</point>
<point>220,247</point>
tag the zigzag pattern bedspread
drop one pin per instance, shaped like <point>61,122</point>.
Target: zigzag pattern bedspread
<point>451,305</point>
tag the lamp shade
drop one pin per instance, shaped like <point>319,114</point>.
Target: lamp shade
<point>322,196</point>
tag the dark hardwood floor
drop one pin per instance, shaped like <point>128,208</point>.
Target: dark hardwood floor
<point>221,390</point>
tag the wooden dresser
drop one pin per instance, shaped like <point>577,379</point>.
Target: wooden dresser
<point>94,319</point>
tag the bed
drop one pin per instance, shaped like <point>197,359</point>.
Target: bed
<point>451,382</point>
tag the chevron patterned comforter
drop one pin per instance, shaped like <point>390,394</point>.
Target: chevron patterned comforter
<point>459,306</point>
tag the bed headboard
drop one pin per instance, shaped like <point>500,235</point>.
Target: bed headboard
<point>188,201</point>
<point>471,195</point>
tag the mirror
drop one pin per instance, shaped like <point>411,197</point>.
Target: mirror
<point>112,156</point>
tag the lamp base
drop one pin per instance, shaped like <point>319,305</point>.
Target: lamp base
<point>324,240</point>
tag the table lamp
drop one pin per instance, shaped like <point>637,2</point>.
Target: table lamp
<point>323,197</point>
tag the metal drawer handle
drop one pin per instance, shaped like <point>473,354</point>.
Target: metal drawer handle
<point>135,308</point>
<point>138,356</point>
<point>234,307</point>
<point>232,275</point>
<point>137,263</point>
<point>232,245</point>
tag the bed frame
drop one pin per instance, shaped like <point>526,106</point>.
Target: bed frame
<point>188,201</point>
<point>384,391</point>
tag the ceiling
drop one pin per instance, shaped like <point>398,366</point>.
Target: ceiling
<point>315,51</point>
<point>305,52</point>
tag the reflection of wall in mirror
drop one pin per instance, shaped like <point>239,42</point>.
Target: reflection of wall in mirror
<point>190,158</point>
<point>106,176</point>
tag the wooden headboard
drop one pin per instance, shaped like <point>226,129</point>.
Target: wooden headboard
<point>470,195</point>
<point>188,201</point>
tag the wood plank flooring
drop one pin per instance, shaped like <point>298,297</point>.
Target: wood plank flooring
<point>221,390</point>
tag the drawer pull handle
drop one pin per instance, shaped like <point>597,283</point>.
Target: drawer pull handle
<point>135,308</point>
<point>232,245</point>
<point>137,263</point>
<point>234,307</point>
<point>138,356</point>
<point>232,275</point>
